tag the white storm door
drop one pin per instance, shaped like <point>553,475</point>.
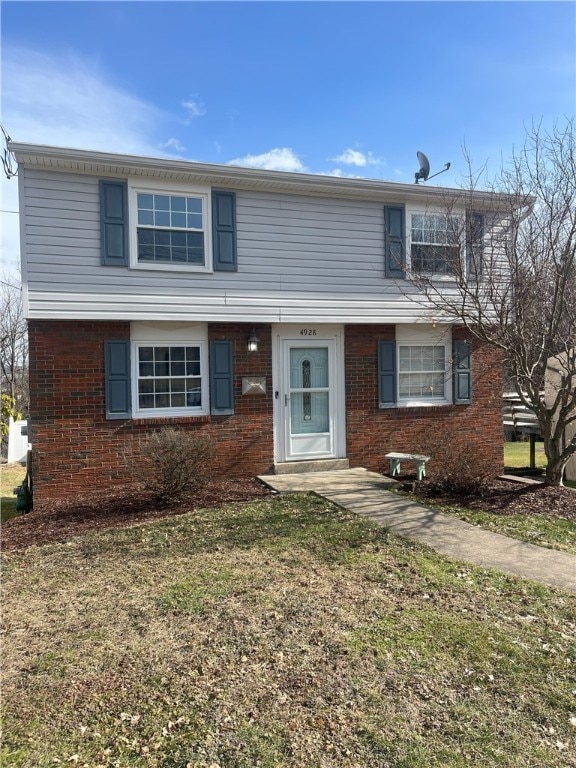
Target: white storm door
<point>309,401</point>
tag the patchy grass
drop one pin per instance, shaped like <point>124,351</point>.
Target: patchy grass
<point>280,633</point>
<point>550,532</point>
<point>11,475</point>
<point>549,523</point>
<point>517,455</point>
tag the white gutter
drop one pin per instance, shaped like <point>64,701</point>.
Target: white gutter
<point>114,164</point>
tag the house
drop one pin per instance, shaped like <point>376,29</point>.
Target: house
<point>269,310</point>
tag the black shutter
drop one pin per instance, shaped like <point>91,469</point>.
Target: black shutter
<point>224,231</point>
<point>117,374</point>
<point>221,379</point>
<point>394,240</point>
<point>386,374</point>
<point>114,223</point>
<point>462,371</point>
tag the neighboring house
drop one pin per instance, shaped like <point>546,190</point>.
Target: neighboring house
<point>146,280</point>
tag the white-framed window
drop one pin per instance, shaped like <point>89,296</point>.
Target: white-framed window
<point>435,243</point>
<point>421,372</point>
<point>423,365</point>
<point>171,228</point>
<point>169,371</point>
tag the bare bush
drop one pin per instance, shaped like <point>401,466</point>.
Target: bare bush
<point>453,470</point>
<point>175,463</point>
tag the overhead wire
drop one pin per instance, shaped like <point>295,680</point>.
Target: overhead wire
<point>7,156</point>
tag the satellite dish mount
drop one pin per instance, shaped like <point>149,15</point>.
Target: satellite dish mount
<point>424,172</point>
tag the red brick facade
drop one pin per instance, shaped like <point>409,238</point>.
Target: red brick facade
<point>371,432</point>
<point>76,449</point>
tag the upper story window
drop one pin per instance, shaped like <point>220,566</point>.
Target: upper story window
<point>434,243</point>
<point>172,229</point>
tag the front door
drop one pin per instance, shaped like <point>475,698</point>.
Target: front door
<point>308,399</point>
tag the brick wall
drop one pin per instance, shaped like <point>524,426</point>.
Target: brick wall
<point>475,429</point>
<point>76,449</point>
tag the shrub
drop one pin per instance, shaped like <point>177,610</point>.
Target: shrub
<point>175,463</point>
<point>453,470</point>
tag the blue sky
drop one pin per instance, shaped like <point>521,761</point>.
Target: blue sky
<point>344,88</point>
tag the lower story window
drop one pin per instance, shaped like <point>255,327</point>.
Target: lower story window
<point>421,372</point>
<point>169,378</point>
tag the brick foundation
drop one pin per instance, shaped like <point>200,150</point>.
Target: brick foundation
<point>77,450</point>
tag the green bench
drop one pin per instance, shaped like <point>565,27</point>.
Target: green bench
<point>396,459</point>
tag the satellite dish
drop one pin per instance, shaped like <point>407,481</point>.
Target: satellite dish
<point>424,172</point>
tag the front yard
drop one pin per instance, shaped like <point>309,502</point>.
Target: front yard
<point>11,475</point>
<point>280,632</point>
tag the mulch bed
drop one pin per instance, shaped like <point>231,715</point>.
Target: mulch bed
<point>505,497</point>
<point>60,521</point>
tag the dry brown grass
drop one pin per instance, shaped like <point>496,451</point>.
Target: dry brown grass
<point>279,633</point>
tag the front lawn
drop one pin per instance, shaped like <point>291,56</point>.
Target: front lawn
<point>551,532</point>
<point>279,633</point>
<point>517,455</point>
<point>11,475</point>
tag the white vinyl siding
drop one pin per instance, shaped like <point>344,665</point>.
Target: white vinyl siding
<point>300,258</point>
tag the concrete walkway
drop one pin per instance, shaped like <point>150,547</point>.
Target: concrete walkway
<point>367,493</point>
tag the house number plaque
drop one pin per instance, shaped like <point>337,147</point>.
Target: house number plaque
<point>308,332</point>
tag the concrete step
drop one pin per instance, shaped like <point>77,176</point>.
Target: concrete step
<point>318,465</point>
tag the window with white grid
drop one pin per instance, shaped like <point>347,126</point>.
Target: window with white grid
<point>421,372</point>
<point>169,378</point>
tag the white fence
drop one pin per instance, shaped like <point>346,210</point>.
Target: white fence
<point>17,441</point>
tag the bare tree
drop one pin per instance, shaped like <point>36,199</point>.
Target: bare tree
<point>13,344</point>
<point>510,258</point>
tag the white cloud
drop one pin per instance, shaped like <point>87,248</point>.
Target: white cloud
<point>67,101</point>
<point>279,159</point>
<point>193,107</point>
<point>174,145</point>
<point>357,158</point>
<point>339,173</point>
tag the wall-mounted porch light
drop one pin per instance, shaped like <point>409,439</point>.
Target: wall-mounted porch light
<point>252,341</point>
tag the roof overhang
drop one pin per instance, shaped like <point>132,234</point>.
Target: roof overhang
<point>185,171</point>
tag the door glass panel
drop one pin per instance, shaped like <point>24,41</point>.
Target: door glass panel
<point>309,412</point>
<point>310,365</point>
<point>309,408</point>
